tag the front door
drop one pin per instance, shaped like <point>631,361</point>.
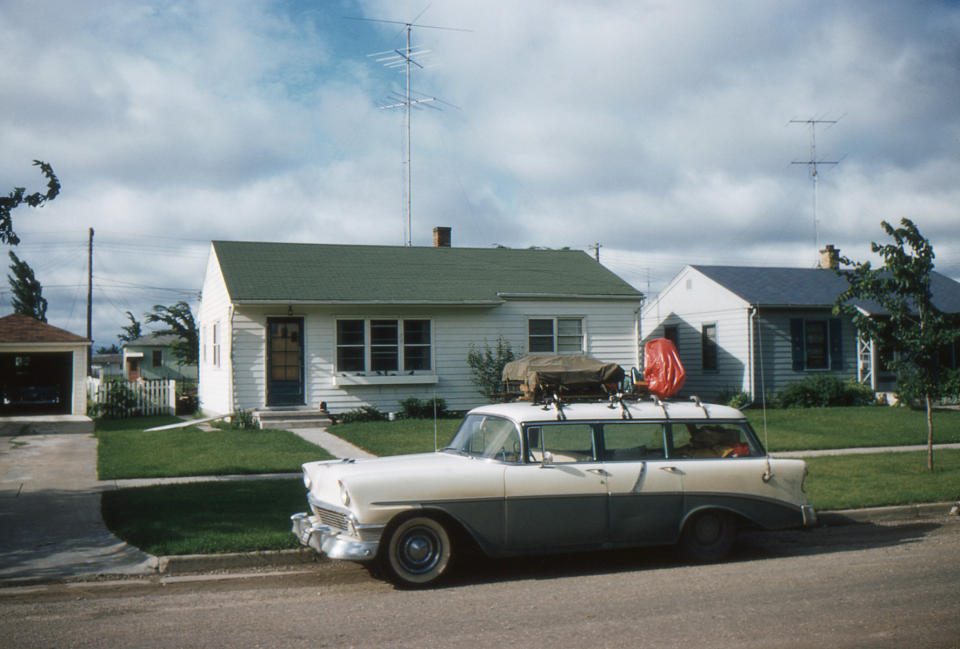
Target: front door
<point>285,361</point>
<point>559,500</point>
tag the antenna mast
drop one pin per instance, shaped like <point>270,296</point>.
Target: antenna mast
<point>407,58</point>
<point>812,164</point>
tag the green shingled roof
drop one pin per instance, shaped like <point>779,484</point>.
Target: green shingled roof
<point>256,271</point>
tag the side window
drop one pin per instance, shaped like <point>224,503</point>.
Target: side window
<point>711,440</point>
<point>632,441</point>
<point>561,443</point>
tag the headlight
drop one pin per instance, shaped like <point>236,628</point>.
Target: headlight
<point>344,494</point>
<point>306,481</point>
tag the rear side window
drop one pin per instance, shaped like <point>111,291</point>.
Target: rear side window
<point>712,440</point>
<point>626,441</point>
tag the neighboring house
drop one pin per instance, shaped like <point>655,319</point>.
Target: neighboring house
<point>43,369</point>
<point>104,366</point>
<point>741,328</point>
<point>150,357</point>
<point>304,325</point>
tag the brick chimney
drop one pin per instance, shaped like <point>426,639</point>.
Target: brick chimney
<point>830,257</point>
<point>441,237</point>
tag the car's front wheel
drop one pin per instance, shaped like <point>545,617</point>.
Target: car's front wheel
<point>709,535</point>
<point>418,552</point>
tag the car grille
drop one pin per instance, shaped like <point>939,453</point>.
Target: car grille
<point>331,518</point>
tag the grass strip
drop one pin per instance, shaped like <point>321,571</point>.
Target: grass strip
<point>876,479</point>
<point>217,517</point>
<point>206,517</point>
<point>399,437</point>
<point>134,453</point>
<point>796,429</point>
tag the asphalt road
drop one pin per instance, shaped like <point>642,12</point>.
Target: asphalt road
<point>890,585</point>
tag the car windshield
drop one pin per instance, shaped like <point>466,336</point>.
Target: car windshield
<point>487,437</point>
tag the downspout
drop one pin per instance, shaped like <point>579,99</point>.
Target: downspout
<point>638,333</point>
<point>230,373</point>
<point>751,352</point>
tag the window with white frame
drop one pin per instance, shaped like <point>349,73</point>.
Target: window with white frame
<point>384,345</point>
<point>216,344</point>
<point>555,335</point>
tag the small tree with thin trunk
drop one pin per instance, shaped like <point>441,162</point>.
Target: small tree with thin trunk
<point>487,363</point>
<point>132,331</point>
<point>903,318</point>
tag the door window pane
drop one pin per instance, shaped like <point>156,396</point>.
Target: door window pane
<point>632,441</point>
<point>564,443</point>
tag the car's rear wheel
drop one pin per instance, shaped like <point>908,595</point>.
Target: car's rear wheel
<point>709,535</point>
<point>418,552</point>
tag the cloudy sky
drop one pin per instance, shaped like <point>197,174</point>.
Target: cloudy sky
<point>659,129</point>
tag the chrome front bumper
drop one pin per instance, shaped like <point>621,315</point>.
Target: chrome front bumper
<point>333,543</point>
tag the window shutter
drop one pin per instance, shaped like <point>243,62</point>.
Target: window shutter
<point>796,343</point>
<point>836,345</point>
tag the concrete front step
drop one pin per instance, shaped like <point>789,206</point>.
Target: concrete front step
<point>288,419</point>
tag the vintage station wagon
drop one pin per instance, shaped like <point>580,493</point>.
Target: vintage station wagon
<point>525,478</point>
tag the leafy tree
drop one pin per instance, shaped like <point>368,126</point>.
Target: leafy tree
<point>487,367</point>
<point>112,349</point>
<point>907,321</point>
<point>180,323</point>
<point>132,331</point>
<point>27,291</point>
<point>18,195</point>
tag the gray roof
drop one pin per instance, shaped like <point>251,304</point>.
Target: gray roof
<point>810,287</point>
<point>299,272</point>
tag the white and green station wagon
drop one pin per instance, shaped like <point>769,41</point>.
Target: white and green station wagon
<point>524,478</point>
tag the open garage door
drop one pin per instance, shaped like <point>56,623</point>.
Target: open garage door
<point>36,383</point>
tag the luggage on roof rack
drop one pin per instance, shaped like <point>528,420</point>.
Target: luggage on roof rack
<point>538,376</point>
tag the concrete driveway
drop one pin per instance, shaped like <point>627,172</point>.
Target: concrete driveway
<point>50,523</point>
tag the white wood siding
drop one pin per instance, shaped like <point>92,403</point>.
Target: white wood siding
<point>689,302</point>
<point>213,389</point>
<point>610,331</point>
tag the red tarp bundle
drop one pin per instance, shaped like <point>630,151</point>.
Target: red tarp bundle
<point>662,369</point>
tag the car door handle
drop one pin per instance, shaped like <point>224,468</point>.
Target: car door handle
<point>597,471</point>
<point>670,469</point>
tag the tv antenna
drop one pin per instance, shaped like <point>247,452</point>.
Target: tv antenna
<point>812,165</point>
<point>407,59</point>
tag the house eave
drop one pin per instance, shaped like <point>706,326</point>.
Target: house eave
<point>475,303</point>
<point>569,296</point>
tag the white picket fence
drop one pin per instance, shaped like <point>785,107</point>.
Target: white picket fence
<point>140,398</point>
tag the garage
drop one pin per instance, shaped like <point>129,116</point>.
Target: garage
<point>42,369</point>
<point>35,383</point>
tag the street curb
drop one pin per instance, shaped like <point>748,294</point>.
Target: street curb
<point>192,563</point>
<point>889,513</point>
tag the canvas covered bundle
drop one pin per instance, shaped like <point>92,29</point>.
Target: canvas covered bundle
<point>563,373</point>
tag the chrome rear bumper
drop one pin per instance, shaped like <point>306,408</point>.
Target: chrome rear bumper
<point>809,515</point>
<point>326,540</point>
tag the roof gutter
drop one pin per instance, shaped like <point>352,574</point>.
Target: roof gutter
<point>570,296</point>
<point>273,302</point>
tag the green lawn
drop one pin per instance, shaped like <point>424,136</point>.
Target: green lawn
<point>126,451</point>
<point>854,481</point>
<point>207,517</point>
<point>798,429</point>
<point>399,437</point>
<point>787,430</point>
<point>248,516</point>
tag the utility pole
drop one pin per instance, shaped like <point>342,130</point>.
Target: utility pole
<point>90,300</point>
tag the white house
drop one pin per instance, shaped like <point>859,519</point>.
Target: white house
<point>740,328</point>
<point>286,325</point>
